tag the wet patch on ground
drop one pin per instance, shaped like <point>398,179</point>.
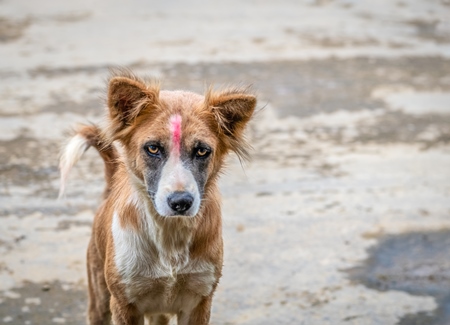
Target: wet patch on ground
<point>93,107</point>
<point>417,263</point>
<point>306,88</point>
<point>333,42</point>
<point>90,106</point>
<point>430,29</point>
<point>25,161</point>
<point>71,17</point>
<point>50,72</point>
<point>24,175</point>
<point>54,210</point>
<point>43,303</point>
<point>428,130</point>
<point>25,148</point>
<point>382,127</point>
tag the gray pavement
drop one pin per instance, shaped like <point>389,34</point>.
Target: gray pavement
<point>343,214</point>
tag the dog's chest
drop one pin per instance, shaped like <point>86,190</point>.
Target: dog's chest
<point>169,294</point>
<point>155,282</point>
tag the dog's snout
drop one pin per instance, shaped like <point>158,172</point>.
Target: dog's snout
<point>180,201</point>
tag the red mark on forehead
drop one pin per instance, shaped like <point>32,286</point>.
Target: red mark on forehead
<point>175,129</point>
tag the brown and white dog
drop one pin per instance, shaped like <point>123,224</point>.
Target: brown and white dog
<point>156,247</point>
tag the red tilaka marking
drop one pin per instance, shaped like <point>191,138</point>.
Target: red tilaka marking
<point>175,128</point>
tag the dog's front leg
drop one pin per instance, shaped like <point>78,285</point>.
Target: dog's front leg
<point>99,296</point>
<point>199,315</point>
<point>125,314</point>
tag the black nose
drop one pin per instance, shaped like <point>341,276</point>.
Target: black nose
<point>180,201</point>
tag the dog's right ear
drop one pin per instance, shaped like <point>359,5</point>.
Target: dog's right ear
<point>127,98</point>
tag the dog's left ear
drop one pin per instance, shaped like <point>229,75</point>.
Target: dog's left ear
<point>232,111</point>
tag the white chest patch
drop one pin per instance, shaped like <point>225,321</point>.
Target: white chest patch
<point>156,280</point>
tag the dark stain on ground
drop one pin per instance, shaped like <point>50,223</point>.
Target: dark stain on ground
<point>417,263</point>
<point>71,17</point>
<point>86,69</point>
<point>25,160</point>
<point>390,127</point>
<point>429,29</point>
<point>54,209</point>
<point>94,107</point>
<point>67,224</point>
<point>22,174</point>
<point>330,42</point>
<point>305,88</point>
<point>396,126</point>
<point>45,303</point>
<point>26,148</point>
<point>91,106</point>
<point>11,30</point>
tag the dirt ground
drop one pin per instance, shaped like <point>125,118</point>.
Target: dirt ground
<point>343,214</point>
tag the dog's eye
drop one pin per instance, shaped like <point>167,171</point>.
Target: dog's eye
<point>153,150</point>
<point>202,152</point>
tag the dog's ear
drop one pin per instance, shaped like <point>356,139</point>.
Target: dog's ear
<point>232,111</point>
<point>127,97</point>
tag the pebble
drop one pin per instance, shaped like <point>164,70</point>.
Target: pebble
<point>33,301</point>
<point>59,320</point>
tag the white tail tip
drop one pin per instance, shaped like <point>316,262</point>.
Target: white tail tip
<point>70,156</point>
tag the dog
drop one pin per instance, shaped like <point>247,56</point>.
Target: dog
<point>156,248</point>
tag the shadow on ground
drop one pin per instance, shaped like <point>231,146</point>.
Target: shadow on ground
<point>417,263</point>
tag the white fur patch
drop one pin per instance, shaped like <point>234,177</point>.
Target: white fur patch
<point>70,156</point>
<point>175,177</point>
<point>132,252</point>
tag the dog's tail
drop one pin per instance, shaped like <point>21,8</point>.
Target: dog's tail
<point>85,137</point>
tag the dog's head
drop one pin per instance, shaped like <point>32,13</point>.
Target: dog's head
<point>174,141</point>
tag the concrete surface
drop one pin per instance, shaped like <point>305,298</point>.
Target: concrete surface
<point>341,217</point>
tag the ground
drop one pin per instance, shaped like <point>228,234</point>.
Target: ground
<point>343,214</point>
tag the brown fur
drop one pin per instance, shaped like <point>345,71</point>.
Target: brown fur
<point>135,108</point>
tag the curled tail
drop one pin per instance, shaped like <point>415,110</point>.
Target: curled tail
<point>85,137</point>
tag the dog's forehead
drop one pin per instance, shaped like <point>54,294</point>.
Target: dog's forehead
<point>179,99</point>
<point>177,119</point>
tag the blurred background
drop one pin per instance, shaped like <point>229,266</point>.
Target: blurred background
<point>341,216</point>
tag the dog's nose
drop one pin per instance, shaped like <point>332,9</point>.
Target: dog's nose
<point>180,201</point>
